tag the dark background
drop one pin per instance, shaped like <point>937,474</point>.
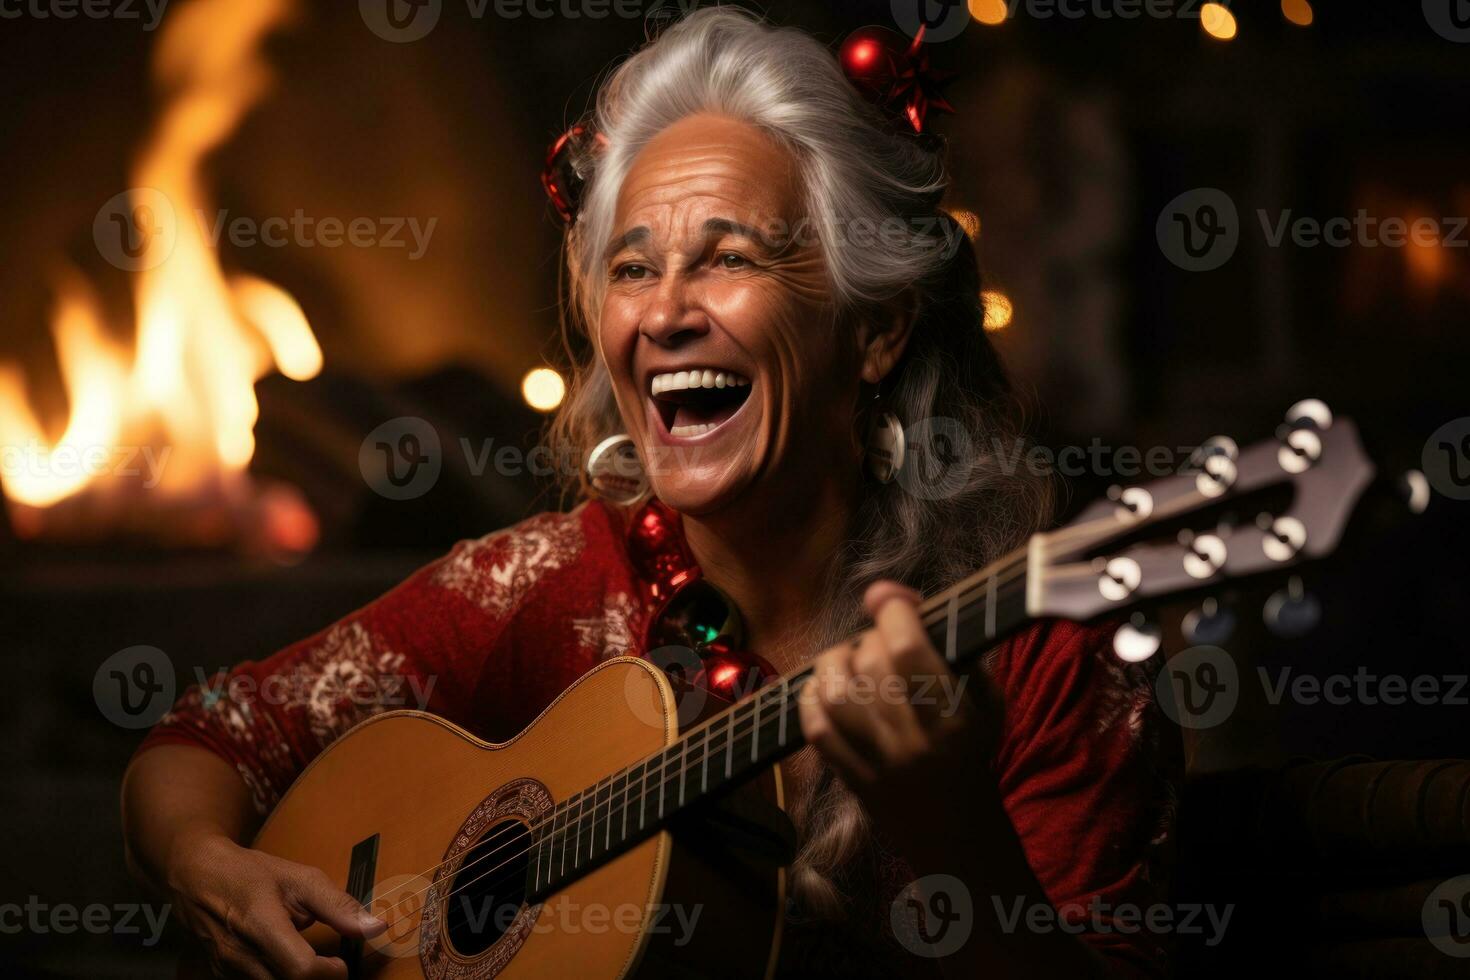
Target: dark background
<point>1071,137</point>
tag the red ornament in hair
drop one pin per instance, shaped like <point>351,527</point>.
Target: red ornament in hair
<point>560,177</point>
<point>894,73</point>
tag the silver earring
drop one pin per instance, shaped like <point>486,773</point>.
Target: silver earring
<point>885,448</point>
<point>614,471</point>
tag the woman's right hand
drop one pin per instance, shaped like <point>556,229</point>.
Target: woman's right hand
<point>248,909</point>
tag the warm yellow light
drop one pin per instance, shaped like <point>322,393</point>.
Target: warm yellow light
<point>1299,12</point>
<point>998,309</point>
<point>990,12</point>
<point>969,221</point>
<point>1218,21</point>
<point>543,389</point>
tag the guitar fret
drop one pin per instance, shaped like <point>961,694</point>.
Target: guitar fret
<point>561,814</point>
<point>729,743</point>
<point>540,850</point>
<point>704,760</point>
<point>642,795</point>
<point>755,730</point>
<point>607,830</point>
<point>577,836</point>
<point>683,766</point>
<point>627,788</point>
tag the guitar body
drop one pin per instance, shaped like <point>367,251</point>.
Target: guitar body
<point>421,792</point>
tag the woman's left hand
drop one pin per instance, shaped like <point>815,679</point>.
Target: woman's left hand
<point>899,727</point>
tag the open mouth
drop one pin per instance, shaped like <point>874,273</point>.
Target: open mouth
<point>692,403</point>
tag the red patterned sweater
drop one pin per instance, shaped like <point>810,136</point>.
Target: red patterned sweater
<point>491,633</point>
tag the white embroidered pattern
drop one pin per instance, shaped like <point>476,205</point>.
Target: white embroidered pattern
<point>497,571</point>
<point>344,679</point>
<point>612,634</point>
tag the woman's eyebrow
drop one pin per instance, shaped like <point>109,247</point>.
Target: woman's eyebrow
<point>726,226</point>
<point>633,236</point>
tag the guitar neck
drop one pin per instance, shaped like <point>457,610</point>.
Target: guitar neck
<point>595,825</point>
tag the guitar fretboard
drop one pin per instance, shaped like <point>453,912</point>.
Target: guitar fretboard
<point>590,827</point>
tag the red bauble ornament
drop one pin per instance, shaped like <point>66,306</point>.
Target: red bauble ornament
<point>656,547</point>
<point>893,72</point>
<point>870,57</point>
<point>733,674</point>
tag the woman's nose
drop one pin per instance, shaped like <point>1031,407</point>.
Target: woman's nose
<point>673,317</point>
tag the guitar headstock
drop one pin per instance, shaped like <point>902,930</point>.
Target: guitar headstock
<point>1206,526</point>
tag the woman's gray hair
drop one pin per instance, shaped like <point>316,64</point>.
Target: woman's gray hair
<point>863,180</point>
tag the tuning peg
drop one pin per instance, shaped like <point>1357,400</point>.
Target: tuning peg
<point>1310,412</point>
<point>1210,625</point>
<point>1215,460</point>
<point>1413,487</point>
<point>1137,640</point>
<point>1134,503</point>
<point>1283,538</point>
<point>1300,448</point>
<point>1292,611</point>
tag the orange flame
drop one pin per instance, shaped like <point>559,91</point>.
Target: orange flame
<point>203,339</point>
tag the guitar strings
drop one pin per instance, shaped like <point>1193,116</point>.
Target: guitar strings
<point>597,822</point>
<point>1001,573</point>
<point>939,603</point>
<point>710,747</point>
<point>1012,565</point>
<point>710,751</point>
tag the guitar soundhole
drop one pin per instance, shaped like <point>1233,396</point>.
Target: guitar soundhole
<point>489,889</point>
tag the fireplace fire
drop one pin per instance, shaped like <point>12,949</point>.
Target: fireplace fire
<point>159,434</point>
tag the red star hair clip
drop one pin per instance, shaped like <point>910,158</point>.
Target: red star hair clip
<point>894,74</point>
<point>561,177</point>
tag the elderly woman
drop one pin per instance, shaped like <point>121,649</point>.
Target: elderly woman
<point>759,338</point>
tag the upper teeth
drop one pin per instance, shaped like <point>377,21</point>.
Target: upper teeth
<point>681,380</point>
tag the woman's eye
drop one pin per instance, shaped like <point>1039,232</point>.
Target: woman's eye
<point>730,260</point>
<point>631,271</point>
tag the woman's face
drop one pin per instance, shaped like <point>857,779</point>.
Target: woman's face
<point>717,327</point>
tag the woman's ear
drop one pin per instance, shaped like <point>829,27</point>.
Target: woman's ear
<point>883,336</point>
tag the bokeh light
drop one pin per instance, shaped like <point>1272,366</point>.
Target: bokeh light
<point>543,389</point>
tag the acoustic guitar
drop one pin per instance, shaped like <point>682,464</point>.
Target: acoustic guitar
<point>635,828</point>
